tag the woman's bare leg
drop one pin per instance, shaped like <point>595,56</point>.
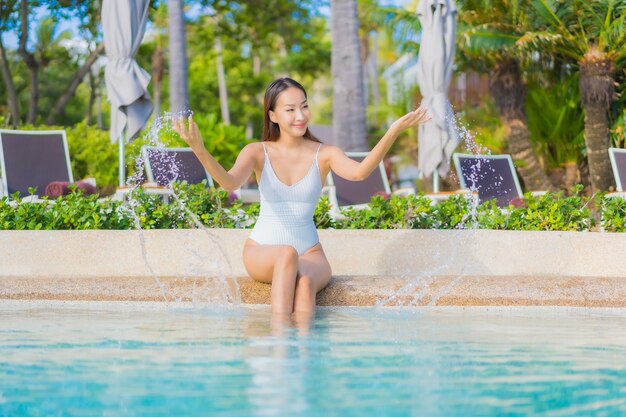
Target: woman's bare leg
<point>295,280</point>
<point>275,264</point>
<point>313,275</point>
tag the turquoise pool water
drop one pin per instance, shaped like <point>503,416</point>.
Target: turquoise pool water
<point>89,359</point>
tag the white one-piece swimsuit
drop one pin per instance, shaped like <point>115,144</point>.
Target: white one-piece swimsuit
<point>286,216</point>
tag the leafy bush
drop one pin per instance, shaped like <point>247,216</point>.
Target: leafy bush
<point>322,217</point>
<point>72,212</point>
<point>613,214</point>
<point>395,212</point>
<point>93,155</point>
<point>550,211</point>
<point>195,205</point>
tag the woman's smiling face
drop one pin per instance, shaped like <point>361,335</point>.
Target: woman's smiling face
<point>291,112</point>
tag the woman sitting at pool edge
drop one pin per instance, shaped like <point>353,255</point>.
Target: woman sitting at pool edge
<point>290,165</point>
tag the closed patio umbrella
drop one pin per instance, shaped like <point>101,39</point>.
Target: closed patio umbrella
<point>438,139</point>
<point>123,26</point>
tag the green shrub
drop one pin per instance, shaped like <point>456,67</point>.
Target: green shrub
<point>322,217</point>
<point>196,205</point>
<point>93,155</point>
<point>613,214</point>
<point>395,212</point>
<point>552,211</point>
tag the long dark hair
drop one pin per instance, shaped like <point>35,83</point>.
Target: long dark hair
<point>271,131</point>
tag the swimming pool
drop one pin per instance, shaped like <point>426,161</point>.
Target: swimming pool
<point>124,359</point>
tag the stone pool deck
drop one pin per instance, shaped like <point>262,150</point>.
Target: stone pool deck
<point>384,267</point>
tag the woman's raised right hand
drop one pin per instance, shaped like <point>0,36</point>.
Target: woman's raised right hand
<point>189,132</point>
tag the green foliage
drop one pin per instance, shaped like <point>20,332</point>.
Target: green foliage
<point>387,213</point>
<point>578,26</point>
<point>618,131</point>
<point>547,212</point>
<point>552,211</point>
<point>93,155</point>
<point>485,127</point>
<point>224,142</point>
<point>196,205</point>
<point>322,217</point>
<point>613,214</point>
<point>556,121</point>
<point>72,212</point>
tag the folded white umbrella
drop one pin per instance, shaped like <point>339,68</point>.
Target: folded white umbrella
<point>439,138</point>
<point>123,26</point>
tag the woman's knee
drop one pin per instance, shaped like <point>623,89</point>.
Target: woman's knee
<point>305,286</point>
<point>287,256</point>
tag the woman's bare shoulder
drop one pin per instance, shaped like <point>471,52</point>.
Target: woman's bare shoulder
<point>253,149</point>
<point>328,151</point>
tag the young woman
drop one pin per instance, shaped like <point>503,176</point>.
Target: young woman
<point>290,166</point>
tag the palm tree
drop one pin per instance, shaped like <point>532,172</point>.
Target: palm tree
<point>592,35</point>
<point>179,90</point>
<point>488,38</point>
<point>349,128</point>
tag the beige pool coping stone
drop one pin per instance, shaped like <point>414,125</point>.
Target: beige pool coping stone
<point>370,267</point>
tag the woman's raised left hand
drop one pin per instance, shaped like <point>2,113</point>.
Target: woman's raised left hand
<point>411,119</point>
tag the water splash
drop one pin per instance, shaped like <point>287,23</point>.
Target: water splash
<point>420,287</point>
<point>227,291</point>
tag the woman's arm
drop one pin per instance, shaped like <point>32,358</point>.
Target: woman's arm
<point>357,171</point>
<point>229,180</point>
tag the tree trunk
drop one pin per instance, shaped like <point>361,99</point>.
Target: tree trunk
<point>93,92</point>
<point>59,106</point>
<point>508,91</point>
<point>373,69</point>
<point>597,89</point>
<point>10,87</point>
<point>179,89</point>
<point>258,99</point>
<point>365,53</point>
<point>349,128</point>
<point>157,77</point>
<point>31,63</point>
<point>221,81</point>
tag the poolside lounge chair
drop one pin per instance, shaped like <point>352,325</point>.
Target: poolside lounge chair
<point>357,194</point>
<point>31,158</point>
<point>323,133</point>
<point>618,163</point>
<point>164,165</point>
<point>491,176</point>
